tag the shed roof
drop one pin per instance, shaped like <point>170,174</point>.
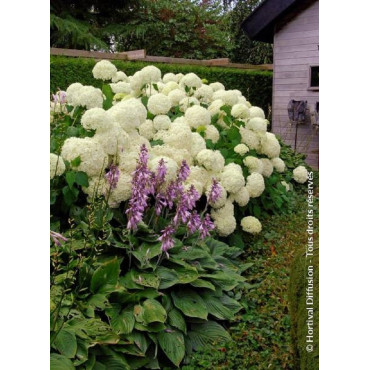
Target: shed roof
<point>260,24</point>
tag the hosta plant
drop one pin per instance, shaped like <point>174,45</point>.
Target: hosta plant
<point>123,296</point>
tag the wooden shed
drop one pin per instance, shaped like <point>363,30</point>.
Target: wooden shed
<point>293,28</point>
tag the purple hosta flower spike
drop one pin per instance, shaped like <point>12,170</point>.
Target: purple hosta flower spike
<point>215,192</point>
<point>57,238</point>
<point>62,97</point>
<point>160,203</point>
<point>167,239</point>
<point>191,197</point>
<point>194,223</point>
<point>142,185</point>
<point>184,172</point>
<point>171,194</point>
<point>206,226</point>
<point>113,176</point>
<point>55,98</point>
<point>161,172</point>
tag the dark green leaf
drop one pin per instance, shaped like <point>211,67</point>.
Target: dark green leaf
<point>106,274</point>
<point>190,303</point>
<point>76,162</point>
<point>153,312</point>
<point>59,362</point>
<point>82,179</point>
<point>173,345</point>
<point>66,343</point>
<point>70,178</point>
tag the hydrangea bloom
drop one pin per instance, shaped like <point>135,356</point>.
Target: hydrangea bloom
<point>191,80</point>
<point>278,164</point>
<point>159,104</point>
<point>224,219</point>
<point>255,185</point>
<point>267,167</point>
<point>95,118</point>
<point>57,166</point>
<point>241,197</point>
<point>256,112</point>
<point>211,160</point>
<point>161,122</point>
<point>300,174</point>
<point>91,153</point>
<point>241,149</point>
<point>250,138</point>
<point>232,180</point>
<point>119,76</point>
<point>257,124</point>
<point>251,225</point>
<point>270,145</point>
<point>104,70</point>
<point>254,164</point>
<point>212,134</point>
<point>240,111</point>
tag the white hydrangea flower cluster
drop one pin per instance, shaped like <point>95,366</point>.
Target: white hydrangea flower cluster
<point>57,165</point>
<point>178,114</point>
<point>300,174</point>
<point>251,225</point>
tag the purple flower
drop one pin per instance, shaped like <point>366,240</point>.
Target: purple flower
<point>191,197</point>
<point>57,238</point>
<point>215,192</point>
<point>62,97</point>
<point>183,172</point>
<point>172,192</point>
<point>112,176</point>
<point>206,226</point>
<point>167,239</point>
<point>142,185</point>
<point>161,172</point>
<point>194,222</point>
<point>160,203</point>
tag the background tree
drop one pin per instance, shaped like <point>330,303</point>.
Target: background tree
<point>177,28</point>
<point>243,49</point>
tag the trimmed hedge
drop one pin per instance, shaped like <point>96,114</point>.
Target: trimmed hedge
<point>297,296</point>
<point>256,86</point>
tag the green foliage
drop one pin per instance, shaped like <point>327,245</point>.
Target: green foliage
<point>256,86</point>
<point>264,333</point>
<point>159,26</point>
<point>298,308</point>
<point>243,49</point>
<point>138,309</point>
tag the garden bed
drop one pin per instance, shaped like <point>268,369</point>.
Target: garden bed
<point>265,336</point>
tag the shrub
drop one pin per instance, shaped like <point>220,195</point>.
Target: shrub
<point>256,86</point>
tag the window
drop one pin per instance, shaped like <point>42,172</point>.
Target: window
<point>313,82</point>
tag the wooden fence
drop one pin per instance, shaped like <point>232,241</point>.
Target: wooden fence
<point>140,55</point>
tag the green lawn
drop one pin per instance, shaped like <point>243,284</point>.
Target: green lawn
<point>262,332</point>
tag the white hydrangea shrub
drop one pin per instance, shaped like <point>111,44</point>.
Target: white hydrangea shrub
<point>184,115</point>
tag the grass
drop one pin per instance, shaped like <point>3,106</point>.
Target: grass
<point>262,334</point>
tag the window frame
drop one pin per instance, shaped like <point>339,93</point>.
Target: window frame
<point>309,87</point>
